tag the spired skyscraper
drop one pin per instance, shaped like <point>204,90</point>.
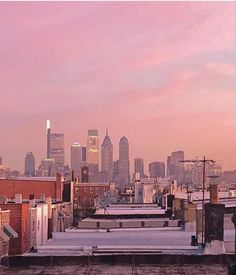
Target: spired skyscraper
<point>123,163</point>
<point>92,147</point>
<point>55,149</point>
<point>29,164</point>
<point>107,156</point>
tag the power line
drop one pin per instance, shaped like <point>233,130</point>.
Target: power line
<point>204,161</point>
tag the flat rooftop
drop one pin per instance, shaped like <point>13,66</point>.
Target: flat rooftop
<point>30,178</point>
<point>161,240</point>
<point>127,269</point>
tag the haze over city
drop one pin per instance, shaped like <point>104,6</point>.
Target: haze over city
<point>162,74</point>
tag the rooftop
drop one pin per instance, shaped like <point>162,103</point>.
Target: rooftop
<point>127,269</point>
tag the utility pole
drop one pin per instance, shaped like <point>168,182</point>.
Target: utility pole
<point>204,160</point>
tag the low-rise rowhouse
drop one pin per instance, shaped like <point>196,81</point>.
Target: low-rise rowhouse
<point>6,232</point>
<point>18,229</point>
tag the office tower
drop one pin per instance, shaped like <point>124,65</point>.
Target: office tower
<point>123,163</point>
<point>168,166</point>
<point>84,154</point>
<point>139,166</point>
<point>48,138</point>
<point>76,159</point>
<point>47,168</point>
<point>107,156</point>
<point>29,164</point>
<point>175,167</point>
<point>115,170</point>
<point>57,151</point>
<point>157,169</point>
<point>92,147</point>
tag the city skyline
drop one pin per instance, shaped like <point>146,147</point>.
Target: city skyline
<point>162,74</point>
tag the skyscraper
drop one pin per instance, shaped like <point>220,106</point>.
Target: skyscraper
<point>29,164</point>
<point>84,153</point>
<point>107,156</point>
<point>139,166</point>
<point>57,151</point>
<point>76,159</point>
<point>92,147</point>
<point>123,163</point>
<point>47,168</point>
<point>157,169</point>
<point>48,138</point>
<point>175,168</point>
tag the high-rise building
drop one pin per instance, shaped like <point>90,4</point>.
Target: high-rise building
<point>48,138</point>
<point>29,164</point>
<point>76,159</point>
<point>47,168</point>
<point>139,166</point>
<point>123,163</point>
<point>157,169</point>
<point>115,170</point>
<point>84,153</point>
<point>92,147</point>
<point>175,168</point>
<point>107,156</point>
<point>57,151</point>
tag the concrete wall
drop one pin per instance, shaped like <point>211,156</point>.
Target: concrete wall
<point>42,223</point>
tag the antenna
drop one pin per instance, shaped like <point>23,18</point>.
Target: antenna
<point>204,160</point>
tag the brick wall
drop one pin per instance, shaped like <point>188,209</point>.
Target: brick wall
<point>19,221</point>
<point>10,187</point>
<point>84,194</point>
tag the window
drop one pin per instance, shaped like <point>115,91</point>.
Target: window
<point>85,189</point>
<point>91,190</point>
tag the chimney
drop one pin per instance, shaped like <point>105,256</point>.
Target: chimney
<point>49,202</point>
<point>214,199</point>
<point>18,198</point>
<point>58,191</point>
<point>31,200</point>
<point>42,197</point>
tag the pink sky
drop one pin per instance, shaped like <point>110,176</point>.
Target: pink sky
<point>160,73</point>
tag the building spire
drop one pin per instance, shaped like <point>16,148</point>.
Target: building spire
<point>106,131</point>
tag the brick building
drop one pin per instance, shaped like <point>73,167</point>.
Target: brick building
<point>4,238</point>
<point>85,193</point>
<point>19,220</point>
<point>51,187</point>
